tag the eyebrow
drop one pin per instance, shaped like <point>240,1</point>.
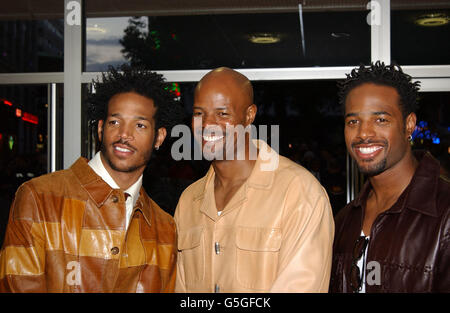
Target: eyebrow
<point>216,109</point>
<point>135,117</point>
<point>373,113</point>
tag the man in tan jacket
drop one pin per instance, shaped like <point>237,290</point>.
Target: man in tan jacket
<point>92,227</point>
<point>252,224</point>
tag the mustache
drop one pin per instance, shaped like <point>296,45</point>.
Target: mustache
<point>369,141</point>
<point>125,143</point>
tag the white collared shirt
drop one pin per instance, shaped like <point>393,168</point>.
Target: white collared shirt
<point>97,166</point>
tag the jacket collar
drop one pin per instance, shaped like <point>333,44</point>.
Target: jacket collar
<point>420,195</point>
<point>100,191</point>
<point>96,187</point>
<point>260,178</point>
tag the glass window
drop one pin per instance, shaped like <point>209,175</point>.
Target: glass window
<point>420,32</point>
<point>23,140</point>
<point>31,37</point>
<point>433,127</point>
<point>311,36</point>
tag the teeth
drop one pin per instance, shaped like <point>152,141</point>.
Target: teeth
<point>368,150</point>
<point>122,149</point>
<point>212,138</point>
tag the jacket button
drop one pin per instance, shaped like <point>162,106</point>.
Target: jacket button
<point>114,250</point>
<point>115,199</point>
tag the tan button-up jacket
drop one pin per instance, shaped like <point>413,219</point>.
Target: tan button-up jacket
<point>275,234</point>
<point>67,233</point>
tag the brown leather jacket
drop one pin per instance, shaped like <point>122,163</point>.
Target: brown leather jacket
<point>67,233</point>
<point>410,241</point>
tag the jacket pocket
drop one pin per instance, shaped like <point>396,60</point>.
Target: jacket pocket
<point>257,256</point>
<point>190,246</point>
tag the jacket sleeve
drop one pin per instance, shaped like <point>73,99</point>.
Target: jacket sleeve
<point>22,258</point>
<point>179,282</point>
<point>442,277</point>
<point>306,250</point>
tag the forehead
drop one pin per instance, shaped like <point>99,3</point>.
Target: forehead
<point>131,103</point>
<point>370,97</point>
<point>219,90</point>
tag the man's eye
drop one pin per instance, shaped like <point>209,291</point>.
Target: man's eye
<point>197,113</point>
<point>113,122</point>
<point>223,114</point>
<point>352,122</point>
<point>382,120</point>
<point>139,125</point>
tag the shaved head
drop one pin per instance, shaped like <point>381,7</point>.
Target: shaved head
<point>229,81</point>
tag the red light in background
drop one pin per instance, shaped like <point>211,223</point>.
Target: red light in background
<point>7,102</point>
<point>27,117</point>
<point>18,112</point>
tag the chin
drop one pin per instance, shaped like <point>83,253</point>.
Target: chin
<point>373,170</point>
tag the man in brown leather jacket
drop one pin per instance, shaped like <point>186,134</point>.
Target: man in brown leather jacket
<point>394,236</point>
<point>92,227</point>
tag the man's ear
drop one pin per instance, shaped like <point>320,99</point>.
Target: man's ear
<point>251,114</point>
<point>410,123</point>
<point>161,134</point>
<point>100,130</point>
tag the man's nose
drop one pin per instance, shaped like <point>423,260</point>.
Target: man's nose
<point>126,132</point>
<point>208,120</point>
<point>366,130</point>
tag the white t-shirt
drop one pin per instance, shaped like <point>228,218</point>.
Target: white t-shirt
<point>360,265</point>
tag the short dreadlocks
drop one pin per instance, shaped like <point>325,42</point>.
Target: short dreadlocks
<point>141,81</point>
<point>386,75</point>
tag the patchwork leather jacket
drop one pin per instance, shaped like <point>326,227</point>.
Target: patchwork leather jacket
<point>67,233</point>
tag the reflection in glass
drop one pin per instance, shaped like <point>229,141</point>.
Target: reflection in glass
<point>433,127</point>
<point>421,37</point>
<point>31,46</point>
<point>290,39</point>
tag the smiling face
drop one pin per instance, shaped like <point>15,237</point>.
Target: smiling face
<point>376,134</point>
<point>221,100</point>
<point>127,135</point>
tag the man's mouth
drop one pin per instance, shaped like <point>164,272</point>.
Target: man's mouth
<point>122,149</point>
<point>211,138</point>
<point>368,152</point>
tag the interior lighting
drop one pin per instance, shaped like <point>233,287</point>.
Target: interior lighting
<point>432,19</point>
<point>95,29</point>
<point>33,119</point>
<point>6,102</point>
<point>264,38</point>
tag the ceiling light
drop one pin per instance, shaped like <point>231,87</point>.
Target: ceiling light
<point>433,19</point>
<point>95,29</point>
<point>340,35</point>
<point>264,38</point>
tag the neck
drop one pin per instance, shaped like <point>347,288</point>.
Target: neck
<point>230,172</point>
<point>389,185</point>
<point>233,171</point>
